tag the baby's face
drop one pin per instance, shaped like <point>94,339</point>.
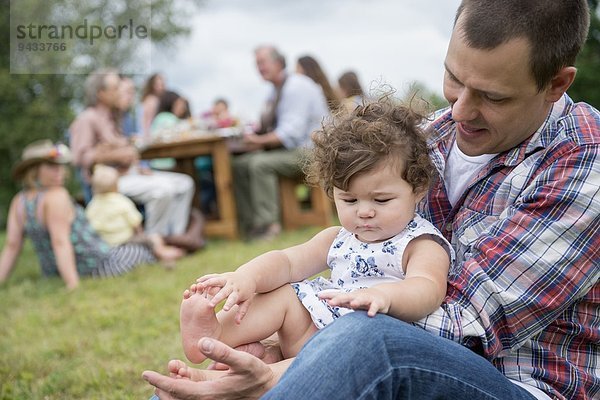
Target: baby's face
<point>378,204</point>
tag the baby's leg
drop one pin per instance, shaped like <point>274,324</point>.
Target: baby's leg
<point>197,319</point>
<point>277,311</point>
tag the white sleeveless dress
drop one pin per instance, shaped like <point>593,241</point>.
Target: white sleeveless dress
<point>356,265</point>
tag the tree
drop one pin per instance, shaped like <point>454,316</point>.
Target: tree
<point>36,106</point>
<point>587,83</point>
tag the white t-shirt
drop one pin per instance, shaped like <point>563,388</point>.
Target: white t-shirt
<point>460,169</point>
<point>535,392</point>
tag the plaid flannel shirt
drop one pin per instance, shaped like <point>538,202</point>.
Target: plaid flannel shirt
<point>524,291</point>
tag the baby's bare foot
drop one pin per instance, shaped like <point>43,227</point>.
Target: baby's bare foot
<point>194,288</point>
<point>197,320</point>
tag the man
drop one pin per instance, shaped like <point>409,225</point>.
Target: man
<point>518,197</point>
<point>295,109</point>
<point>96,139</point>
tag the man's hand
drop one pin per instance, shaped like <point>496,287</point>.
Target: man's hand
<point>267,140</point>
<point>124,156</point>
<point>247,376</point>
<point>267,351</point>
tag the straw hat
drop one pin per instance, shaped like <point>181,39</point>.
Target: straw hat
<point>38,152</point>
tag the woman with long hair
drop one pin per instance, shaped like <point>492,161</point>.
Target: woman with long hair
<point>153,89</point>
<point>350,90</point>
<point>308,66</point>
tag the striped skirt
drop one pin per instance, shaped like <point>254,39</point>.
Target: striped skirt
<point>124,258</point>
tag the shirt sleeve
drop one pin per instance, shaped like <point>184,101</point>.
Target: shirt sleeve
<point>300,110</point>
<point>82,141</point>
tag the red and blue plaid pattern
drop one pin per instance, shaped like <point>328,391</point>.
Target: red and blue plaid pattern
<point>525,289</point>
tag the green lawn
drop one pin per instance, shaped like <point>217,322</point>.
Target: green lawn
<point>95,342</point>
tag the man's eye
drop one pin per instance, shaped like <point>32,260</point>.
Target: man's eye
<point>495,99</point>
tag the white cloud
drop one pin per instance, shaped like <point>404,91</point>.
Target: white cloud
<point>389,41</point>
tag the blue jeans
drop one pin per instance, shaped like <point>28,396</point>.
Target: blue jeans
<point>358,357</point>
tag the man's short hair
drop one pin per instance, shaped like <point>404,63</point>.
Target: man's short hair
<point>555,29</point>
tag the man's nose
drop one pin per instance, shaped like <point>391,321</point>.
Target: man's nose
<point>465,107</point>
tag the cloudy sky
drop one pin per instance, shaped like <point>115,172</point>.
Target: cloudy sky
<point>385,41</point>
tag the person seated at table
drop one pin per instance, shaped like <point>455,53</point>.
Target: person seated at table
<point>117,220</point>
<point>64,241</point>
<point>153,89</point>
<point>350,90</point>
<point>173,109</point>
<point>170,121</point>
<point>96,139</point>
<point>294,109</point>
<point>307,65</point>
<point>218,116</point>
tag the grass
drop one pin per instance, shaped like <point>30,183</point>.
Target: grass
<point>95,342</point>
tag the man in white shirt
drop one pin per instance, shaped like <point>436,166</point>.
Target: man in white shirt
<point>293,111</point>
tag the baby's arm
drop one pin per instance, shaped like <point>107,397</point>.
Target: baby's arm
<point>410,299</point>
<point>271,270</point>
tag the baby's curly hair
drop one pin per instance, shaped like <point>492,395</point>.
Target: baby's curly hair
<point>376,131</point>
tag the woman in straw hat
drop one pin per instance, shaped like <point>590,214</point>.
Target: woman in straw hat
<point>63,239</point>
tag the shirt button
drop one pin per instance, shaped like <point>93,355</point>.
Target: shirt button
<point>449,227</point>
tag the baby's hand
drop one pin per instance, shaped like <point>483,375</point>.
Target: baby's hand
<point>371,299</point>
<point>235,287</point>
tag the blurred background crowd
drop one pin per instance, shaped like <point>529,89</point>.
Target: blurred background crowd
<point>43,106</point>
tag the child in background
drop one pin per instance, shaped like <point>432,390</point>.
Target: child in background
<point>173,112</point>
<point>384,258</point>
<point>170,122</point>
<point>117,220</point>
<point>218,116</point>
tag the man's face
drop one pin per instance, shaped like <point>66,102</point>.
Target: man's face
<point>109,95</point>
<point>268,68</point>
<point>495,100</point>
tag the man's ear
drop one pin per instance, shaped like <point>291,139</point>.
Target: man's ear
<point>560,83</point>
